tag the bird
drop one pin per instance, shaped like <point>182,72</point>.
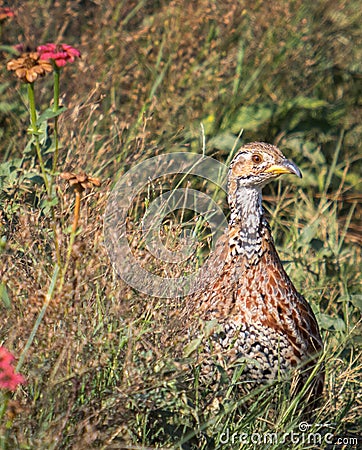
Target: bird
<point>250,311</point>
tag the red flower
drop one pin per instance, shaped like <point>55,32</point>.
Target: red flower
<point>61,54</point>
<point>8,378</point>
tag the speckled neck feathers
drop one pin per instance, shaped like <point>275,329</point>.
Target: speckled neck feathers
<point>247,223</point>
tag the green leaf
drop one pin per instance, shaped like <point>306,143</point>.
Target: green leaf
<point>2,243</point>
<point>356,301</point>
<point>328,322</point>
<point>49,114</point>
<point>8,167</point>
<point>34,177</point>
<point>4,296</point>
<point>211,327</point>
<point>46,205</point>
<point>223,141</point>
<point>309,232</point>
<point>307,103</point>
<point>30,145</point>
<point>192,346</point>
<point>252,117</point>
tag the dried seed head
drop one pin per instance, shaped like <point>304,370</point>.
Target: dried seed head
<point>29,67</point>
<point>80,181</point>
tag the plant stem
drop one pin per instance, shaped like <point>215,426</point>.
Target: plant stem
<point>55,109</point>
<point>56,142</point>
<point>56,88</point>
<point>33,117</point>
<point>49,187</point>
<point>35,132</point>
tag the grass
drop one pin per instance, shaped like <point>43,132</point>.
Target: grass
<point>99,362</point>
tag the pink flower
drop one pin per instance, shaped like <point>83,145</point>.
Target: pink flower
<point>8,378</point>
<point>6,13</point>
<point>6,358</point>
<point>22,48</point>
<point>61,54</point>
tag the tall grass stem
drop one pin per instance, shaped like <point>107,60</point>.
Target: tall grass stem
<point>48,299</point>
<point>73,233</point>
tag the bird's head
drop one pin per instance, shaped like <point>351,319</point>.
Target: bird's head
<point>257,163</point>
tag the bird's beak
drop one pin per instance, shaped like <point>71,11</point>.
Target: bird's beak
<point>286,166</point>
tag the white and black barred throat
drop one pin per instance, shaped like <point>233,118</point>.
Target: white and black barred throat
<point>247,224</point>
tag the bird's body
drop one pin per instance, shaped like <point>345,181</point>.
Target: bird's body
<point>258,316</point>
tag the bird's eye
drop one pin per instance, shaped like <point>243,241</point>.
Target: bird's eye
<point>257,158</point>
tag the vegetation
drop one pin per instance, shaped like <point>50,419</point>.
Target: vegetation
<point>100,373</point>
